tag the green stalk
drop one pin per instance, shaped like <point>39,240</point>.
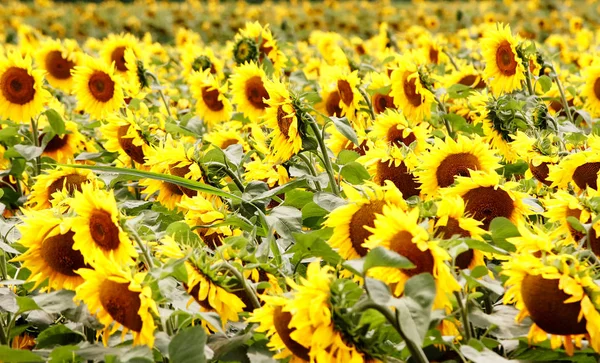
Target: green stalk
<point>140,243</point>
<point>312,169</point>
<point>238,275</point>
<point>368,101</point>
<point>36,142</point>
<point>160,92</point>
<point>528,81</point>
<point>464,315</point>
<point>563,98</point>
<point>326,160</point>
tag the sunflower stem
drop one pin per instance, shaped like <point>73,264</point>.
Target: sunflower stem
<point>368,101</point>
<point>311,167</point>
<point>3,339</point>
<point>229,172</point>
<point>451,60</point>
<point>563,98</point>
<point>160,92</point>
<point>464,315</point>
<point>326,160</point>
<point>36,142</point>
<point>238,275</point>
<point>140,243</point>
<point>442,108</point>
<point>528,82</point>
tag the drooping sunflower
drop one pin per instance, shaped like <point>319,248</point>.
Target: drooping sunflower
<point>50,254</point>
<point>135,79</point>
<point>212,105</point>
<point>63,178</point>
<point>281,116</point>
<point>399,231</point>
<point>249,92</point>
<point>558,294</point>
<point>395,130</point>
<point>98,233</point>
<point>22,96</point>
<point>580,169</point>
<point>350,221</point>
<point>591,89</point>
<point>58,58</point>
<point>118,298</point>
<point>201,212</point>
<point>448,159</point>
<point>486,197</point>
<point>266,43</point>
<point>114,47</point>
<point>98,89</point>
<point>497,133</point>
<point>409,92</point>
<point>504,70</point>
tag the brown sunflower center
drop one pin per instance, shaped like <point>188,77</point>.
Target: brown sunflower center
<point>118,56</point>
<point>135,152</point>
<point>284,121</point>
<point>333,104</point>
<point>281,321</point>
<point>505,59</point>
<point>58,253</point>
<point>17,85</point>
<point>597,88</point>
<point>122,304</point>
<point>540,172</point>
<point>455,165</point>
<point>487,203</point>
<point>403,245</point>
<point>71,183</point>
<point>586,175</point>
<point>104,231</point>
<point>225,144</point>
<point>576,213</point>
<point>57,66</point>
<point>101,86</point>
<point>382,102</point>
<point>182,171</point>
<point>546,305</point>
<point>345,92</point>
<point>434,55</point>
<point>400,176</point>
<point>396,137</point>
<point>410,90</point>
<point>256,92</point>
<point>56,143</point>
<point>211,99</point>
<point>594,241</point>
<point>451,228</point>
<point>464,259</point>
<point>470,80</point>
<point>363,217</point>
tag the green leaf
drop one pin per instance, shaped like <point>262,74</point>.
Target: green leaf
<point>65,354</point>
<point>483,246</point>
<point>26,304</point>
<point>285,220</point>
<point>459,91</point>
<point>29,152</point>
<point>56,301</point>
<point>56,121</point>
<point>58,335</point>
<point>297,198</point>
<point>16,356</point>
<point>576,224</point>
<point>313,215</point>
<point>347,156</point>
<point>328,201</point>
<point>382,257</point>
<point>344,127</point>
<point>545,82</point>
<point>312,244</point>
<point>419,293</point>
<point>479,271</point>
<point>483,356</point>
<point>501,228</point>
<point>379,292</point>
<point>187,346</point>
<point>355,173</point>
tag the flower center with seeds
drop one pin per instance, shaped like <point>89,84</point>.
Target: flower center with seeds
<point>182,172</point>
<point>211,99</point>
<point>451,228</point>
<point>71,183</point>
<point>382,102</point>
<point>333,104</point>
<point>57,66</point>
<point>256,92</point>
<point>345,92</point>
<point>487,203</point>
<point>586,175</point>
<point>17,86</point>
<point>545,302</point>
<point>363,217</point>
<point>122,304</point>
<point>455,165</point>
<point>104,231</point>
<point>505,59</point>
<point>56,143</point>
<point>396,138</point>
<point>400,176</point>
<point>58,253</point>
<point>470,81</point>
<point>410,90</point>
<point>402,244</point>
<point>118,56</point>
<point>281,321</point>
<point>135,152</point>
<point>597,88</point>
<point>284,121</point>
<point>101,86</point>
<point>540,172</point>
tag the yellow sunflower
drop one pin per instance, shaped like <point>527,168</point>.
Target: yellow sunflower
<point>346,84</point>
<point>43,195</point>
<point>64,148</point>
<point>98,89</point>
<point>119,298</point>
<point>22,96</point>
<point>539,153</point>
<point>212,105</point>
<point>504,70</point>
<point>227,134</point>
<point>114,47</point>
<point>395,130</point>
<point>281,117</point>
<point>124,135</point>
<point>98,233</point>
<point>201,212</point>
<point>249,92</point>
<point>448,159</point>
<point>579,169</point>
<point>380,88</point>
<point>561,205</point>
<point>409,93</point>
<point>58,58</point>
<point>591,89</point>
<point>272,173</point>
<point>466,76</point>
<point>350,221</point>
<point>50,254</point>
<point>558,294</point>
<point>533,240</point>
<point>338,142</point>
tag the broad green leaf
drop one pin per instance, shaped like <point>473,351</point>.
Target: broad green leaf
<point>28,152</point>
<point>347,156</point>
<point>355,173</point>
<point>576,224</point>
<point>419,293</point>
<point>65,354</point>
<point>344,128</point>
<point>56,301</point>
<point>187,346</point>
<point>379,292</point>
<point>382,257</point>
<point>26,304</point>
<point>328,201</point>
<point>459,91</point>
<point>285,220</point>
<point>56,121</point>
<point>545,82</point>
<point>483,356</point>
<point>17,356</point>
<point>58,335</point>
<point>501,228</point>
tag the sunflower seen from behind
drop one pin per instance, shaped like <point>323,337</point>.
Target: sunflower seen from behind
<point>504,70</point>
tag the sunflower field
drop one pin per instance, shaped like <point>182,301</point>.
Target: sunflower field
<point>300,181</point>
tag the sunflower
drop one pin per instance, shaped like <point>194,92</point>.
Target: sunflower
<point>558,294</point>
<point>338,141</point>
<point>466,76</point>
<point>591,89</point>
<point>227,134</point>
<point>534,240</point>
<point>114,47</point>
<point>43,195</point>
<point>486,198</point>
<point>98,89</point>
<point>504,70</point>
<point>272,173</point>
<point>249,92</point>
<point>119,299</point>
<point>380,89</point>
<point>395,130</point>
<point>136,80</point>
<point>448,159</point>
<point>196,58</point>
<point>98,233</point>
<point>50,254</point>
<point>496,132</point>
<point>125,136</point>
<point>579,169</point>
<point>281,116</point>
<point>212,105</point>
<point>65,147</point>
<point>561,205</point>
<point>539,153</point>
<point>346,84</point>
<point>350,221</point>
<point>409,92</point>
<point>22,96</point>
<point>58,58</point>
<point>399,231</point>
<point>267,45</point>
<point>201,212</point>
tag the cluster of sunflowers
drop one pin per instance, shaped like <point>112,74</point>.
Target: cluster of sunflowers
<point>409,195</point>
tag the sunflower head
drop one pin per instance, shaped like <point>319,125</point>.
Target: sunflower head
<point>504,69</point>
<point>245,50</point>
